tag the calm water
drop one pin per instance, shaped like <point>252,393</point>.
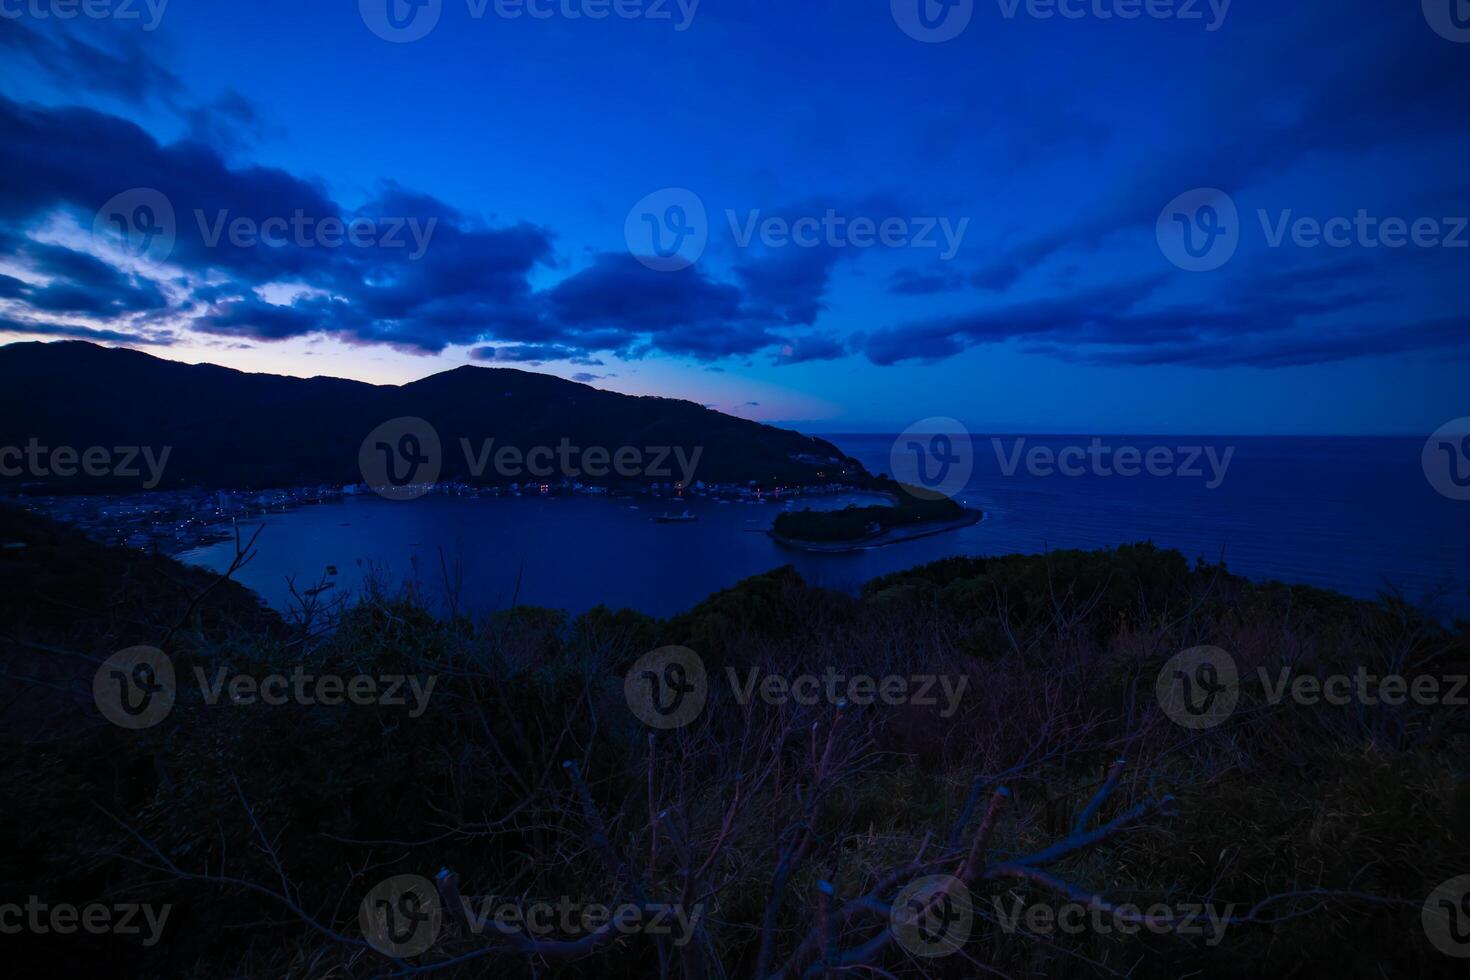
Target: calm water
<point>1351,514</point>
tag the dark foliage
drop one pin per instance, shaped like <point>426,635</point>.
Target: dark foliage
<point>224,808</point>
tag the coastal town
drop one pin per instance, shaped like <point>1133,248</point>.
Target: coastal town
<point>173,522</point>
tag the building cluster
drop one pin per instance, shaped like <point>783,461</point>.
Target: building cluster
<point>176,521</point>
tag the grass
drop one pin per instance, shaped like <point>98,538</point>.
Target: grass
<point>223,808</point>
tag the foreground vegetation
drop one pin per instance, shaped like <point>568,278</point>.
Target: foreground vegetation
<point>791,825</point>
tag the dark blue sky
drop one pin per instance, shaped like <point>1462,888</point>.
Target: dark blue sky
<point>1034,178</point>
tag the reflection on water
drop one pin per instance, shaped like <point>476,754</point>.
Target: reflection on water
<point>1350,514</point>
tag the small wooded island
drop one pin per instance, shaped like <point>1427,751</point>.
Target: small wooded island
<point>912,514</point>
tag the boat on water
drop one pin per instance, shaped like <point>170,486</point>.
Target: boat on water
<point>684,518</point>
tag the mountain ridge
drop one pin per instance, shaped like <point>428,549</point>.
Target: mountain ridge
<point>236,429</point>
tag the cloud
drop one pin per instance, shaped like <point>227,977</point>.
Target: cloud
<point>230,123</point>
<point>638,310</point>
<point>1311,314</point>
<point>74,282</point>
<point>1291,350</point>
<point>471,285</point>
<point>259,320</point>
<point>532,354</point>
<point>619,292</point>
<point>799,350</point>
<point>120,67</point>
<point>998,276</point>
<point>431,278</point>
<point>123,65</point>
<point>941,337</point>
<point>1369,89</point>
<point>788,285</point>
<point>75,332</point>
<point>913,282</point>
<point>446,279</point>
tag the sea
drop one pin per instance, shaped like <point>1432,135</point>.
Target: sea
<point>1358,515</point>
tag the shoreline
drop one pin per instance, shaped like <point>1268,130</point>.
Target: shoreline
<point>175,522</point>
<point>971,517</point>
